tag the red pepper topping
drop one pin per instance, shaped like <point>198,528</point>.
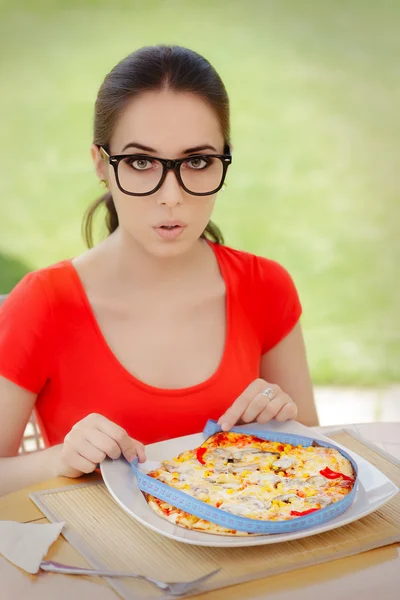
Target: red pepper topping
<point>329,474</point>
<point>257,439</point>
<point>296,513</point>
<point>199,455</point>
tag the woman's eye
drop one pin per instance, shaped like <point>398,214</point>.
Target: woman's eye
<point>197,163</point>
<point>140,164</point>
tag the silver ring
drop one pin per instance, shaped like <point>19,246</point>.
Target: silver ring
<point>269,392</point>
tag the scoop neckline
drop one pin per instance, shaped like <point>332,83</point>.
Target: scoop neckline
<point>135,381</point>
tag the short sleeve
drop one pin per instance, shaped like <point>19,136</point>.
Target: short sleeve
<point>25,327</point>
<point>279,302</point>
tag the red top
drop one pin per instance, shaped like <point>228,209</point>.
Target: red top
<point>51,344</point>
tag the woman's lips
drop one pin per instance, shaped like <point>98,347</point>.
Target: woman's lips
<point>168,232</point>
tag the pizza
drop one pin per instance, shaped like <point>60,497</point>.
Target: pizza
<point>255,478</point>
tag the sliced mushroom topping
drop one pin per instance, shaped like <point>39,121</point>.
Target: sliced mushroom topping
<point>254,502</point>
<point>317,481</point>
<point>170,467</point>
<point>239,468</point>
<point>286,498</point>
<point>293,482</point>
<point>236,467</point>
<point>322,500</point>
<point>231,485</point>
<point>285,462</point>
<point>185,467</point>
<point>198,489</point>
<point>222,453</point>
<point>245,505</point>
<point>236,509</point>
<point>243,451</point>
<point>211,479</point>
<point>183,476</point>
<point>264,478</point>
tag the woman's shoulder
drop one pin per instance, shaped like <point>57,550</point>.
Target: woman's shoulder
<point>31,318</point>
<point>51,273</point>
<point>252,268</point>
<point>40,288</point>
<point>266,292</point>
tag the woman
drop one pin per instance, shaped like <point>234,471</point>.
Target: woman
<point>160,326</point>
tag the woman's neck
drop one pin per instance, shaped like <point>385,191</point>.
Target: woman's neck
<point>131,264</point>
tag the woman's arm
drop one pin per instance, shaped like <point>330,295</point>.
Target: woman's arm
<point>87,444</point>
<point>17,472</point>
<point>286,365</point>
<point>16,405</point>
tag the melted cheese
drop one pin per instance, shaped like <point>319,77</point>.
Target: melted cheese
<point>258,479</point>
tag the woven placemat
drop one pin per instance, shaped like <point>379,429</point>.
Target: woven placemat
<point>107,537</point>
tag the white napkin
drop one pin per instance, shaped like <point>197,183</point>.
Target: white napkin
<point>25,544</point>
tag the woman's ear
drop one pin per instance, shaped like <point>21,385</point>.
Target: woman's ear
<point>99,163</point>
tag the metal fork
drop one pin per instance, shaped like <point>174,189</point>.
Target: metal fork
<point>173,588</point>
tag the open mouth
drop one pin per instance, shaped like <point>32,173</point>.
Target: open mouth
<point>170,231</point>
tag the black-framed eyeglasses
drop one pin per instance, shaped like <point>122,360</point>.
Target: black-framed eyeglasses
<point>142,175</point>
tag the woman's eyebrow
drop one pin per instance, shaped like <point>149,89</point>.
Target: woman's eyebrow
<point>139,146</point>
<point>148,149</point>
<point>199,149</point>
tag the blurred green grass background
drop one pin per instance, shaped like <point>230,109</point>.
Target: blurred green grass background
<point>315,95</point>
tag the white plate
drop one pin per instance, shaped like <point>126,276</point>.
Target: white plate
<point>374,490</point>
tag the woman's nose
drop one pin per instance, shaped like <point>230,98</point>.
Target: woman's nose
<point>170,193</point>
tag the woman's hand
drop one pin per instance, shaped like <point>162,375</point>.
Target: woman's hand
<point>90,441</point>
<point>261,401</point>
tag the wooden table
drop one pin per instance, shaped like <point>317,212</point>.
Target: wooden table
<point>371,575</point>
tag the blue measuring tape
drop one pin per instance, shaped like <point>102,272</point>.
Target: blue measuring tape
<point>221,517</point>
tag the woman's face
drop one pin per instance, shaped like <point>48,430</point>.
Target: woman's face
<point>166,125</point>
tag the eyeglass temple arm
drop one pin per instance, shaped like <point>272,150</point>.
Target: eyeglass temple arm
<point>103,153</point>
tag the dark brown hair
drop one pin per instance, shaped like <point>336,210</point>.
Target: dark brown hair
<point>153,68</point>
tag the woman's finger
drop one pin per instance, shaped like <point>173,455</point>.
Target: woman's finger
<point>271,410</point>
<point>259,403</point>
<point>140,451</point>
<point>103,442</point>
<point>78,442</point>
<point>120,436</point>
<point>236,410</point>
<point>73,459</point>
<point>288,412</point>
